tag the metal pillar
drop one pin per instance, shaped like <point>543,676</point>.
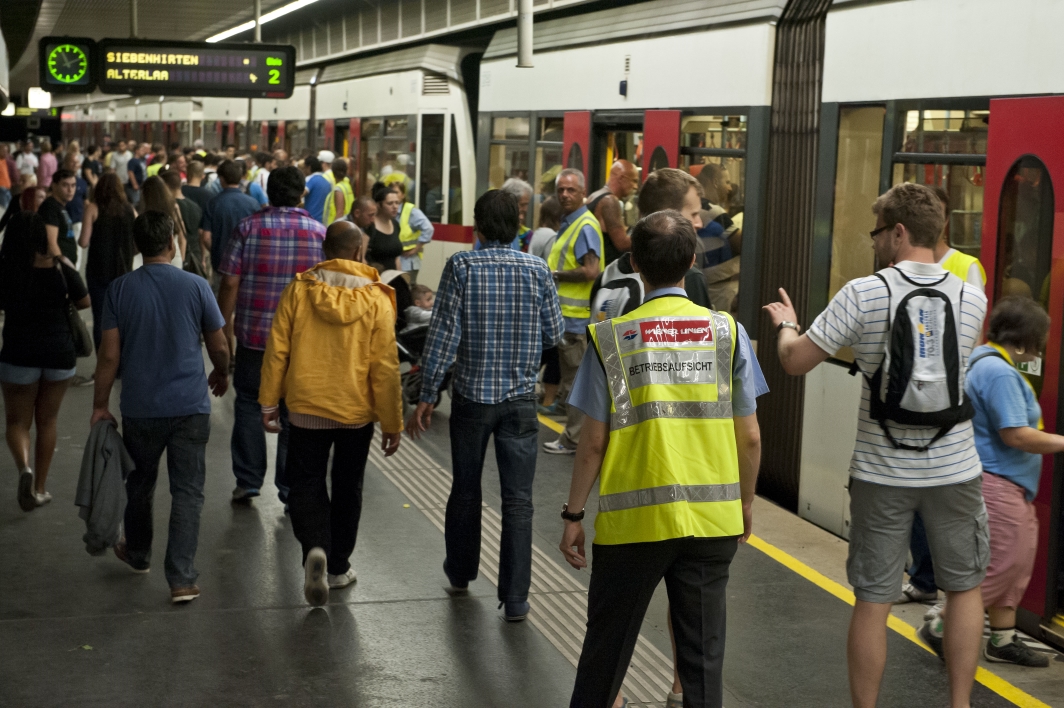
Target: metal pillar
<point>258,38</point>
<point>133,18</point>
<point>524,34</point>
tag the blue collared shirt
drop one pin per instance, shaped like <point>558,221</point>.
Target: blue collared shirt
<point>587,240</point>
<point>496,311</point>
<point>591,393</point>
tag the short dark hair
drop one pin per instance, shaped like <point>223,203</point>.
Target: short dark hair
<point>153,231</point>
<point>313,164</point>
<point>666,188</point>
<point>341,237</point>
<point>917,208</point>
<point>230,172</point>
<point>496,216</point>
<point>263,158</point>
<point>172,178</point>
<point>61,175</point>
<point>663,246</point>
<point>380,192</point>
<point>285,187</point>
<point>1019,322</point>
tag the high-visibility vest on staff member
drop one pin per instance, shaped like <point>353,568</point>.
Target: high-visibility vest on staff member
<point>408,236</point>
<point>575,298</point>
<point>961,263</point>
<point>671,469</point>
<point>344,186</point>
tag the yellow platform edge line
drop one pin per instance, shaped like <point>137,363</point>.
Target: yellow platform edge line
<point>552,424</point>
<point>992,681</point>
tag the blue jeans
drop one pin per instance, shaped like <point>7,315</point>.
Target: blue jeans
<point>922,572</point>
<point>516,430</point>
<point>5,197</point>
<point>248,444</point>
<point>185,440</point>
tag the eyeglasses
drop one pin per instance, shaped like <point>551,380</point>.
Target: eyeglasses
<point>880,230</point>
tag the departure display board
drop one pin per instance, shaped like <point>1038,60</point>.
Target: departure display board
<point>232,69</point>
<point>66,64</point>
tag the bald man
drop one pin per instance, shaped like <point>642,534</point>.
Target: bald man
<point>605,204</point>
<point>363,212</point>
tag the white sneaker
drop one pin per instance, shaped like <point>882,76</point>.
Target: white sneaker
<point>909,593</point>
<point>556,447</point>
<point>934,611</point>
<point>342,581</point>
<point>43,498</point>
<point>315,584</point>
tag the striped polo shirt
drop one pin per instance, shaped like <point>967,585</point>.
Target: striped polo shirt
<point>858,317</point>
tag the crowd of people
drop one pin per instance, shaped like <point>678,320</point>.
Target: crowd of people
<point>291,283</point>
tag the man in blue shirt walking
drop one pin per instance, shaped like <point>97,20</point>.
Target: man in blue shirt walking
<point>152,322</point>
<point>496,311</point>
<point>224,212</point>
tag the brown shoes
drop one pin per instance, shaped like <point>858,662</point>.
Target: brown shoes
<point>179,595</point>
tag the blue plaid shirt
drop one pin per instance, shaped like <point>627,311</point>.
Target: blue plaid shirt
<point>495,313</point>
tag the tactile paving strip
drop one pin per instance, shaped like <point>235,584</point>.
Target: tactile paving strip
<point>558,601</point>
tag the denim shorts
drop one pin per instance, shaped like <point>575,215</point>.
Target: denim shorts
<point>26,375</point>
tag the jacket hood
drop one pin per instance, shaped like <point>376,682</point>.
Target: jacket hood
<point>343,291</point>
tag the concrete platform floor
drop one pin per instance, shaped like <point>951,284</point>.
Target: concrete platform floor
<point>79,630</point>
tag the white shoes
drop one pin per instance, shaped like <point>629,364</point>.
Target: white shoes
<point>42,499</point>
<point>935,611</point>
<point>343,580</point>
<point>315,585</point>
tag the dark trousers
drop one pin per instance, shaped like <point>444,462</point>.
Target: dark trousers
<point>516,430</point>
<point>318,520</point>
<point>922,572</point>
<point>248,444</point>
<point>623,579</point>
<point>184,439</point>
<point>97,293</point>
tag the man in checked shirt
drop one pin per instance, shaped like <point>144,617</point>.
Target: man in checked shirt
<point>496,311</point>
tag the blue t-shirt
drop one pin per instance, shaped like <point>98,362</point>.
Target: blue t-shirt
<point>318,190</point>
<point>591,393</point>
<point>256,193</point>
<point>223,213</point>
<point>139,170</point>
<point>160,311</point>
<point>1002,399</point>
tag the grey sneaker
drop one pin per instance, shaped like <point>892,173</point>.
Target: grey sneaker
<point>343,580</point>
<point>935,643</point>
<point>1015,652</point>
<point>934,611</point>
<point>315,580</point>
<point>910,593</point>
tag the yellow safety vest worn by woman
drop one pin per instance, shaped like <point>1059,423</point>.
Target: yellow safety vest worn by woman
<point>408,236</point>
<point>344,186</point>
<point>575,298</point>
<point>671,469</point>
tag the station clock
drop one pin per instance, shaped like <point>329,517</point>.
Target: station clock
<point>67,64</point>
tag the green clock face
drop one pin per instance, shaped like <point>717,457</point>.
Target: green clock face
<point>68,64</point>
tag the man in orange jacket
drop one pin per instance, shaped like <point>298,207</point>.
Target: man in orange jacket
<point>332,357</point>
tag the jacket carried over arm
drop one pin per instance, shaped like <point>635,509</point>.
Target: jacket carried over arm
<point>101,492</point>
<point>331,351</point>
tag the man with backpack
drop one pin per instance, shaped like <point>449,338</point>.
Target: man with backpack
<point>912,327</point>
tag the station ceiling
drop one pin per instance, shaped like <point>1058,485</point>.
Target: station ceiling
<point>156,19</point>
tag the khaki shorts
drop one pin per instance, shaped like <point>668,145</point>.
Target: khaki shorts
<point>881,521</point>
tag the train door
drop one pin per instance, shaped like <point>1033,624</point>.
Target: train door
<point>1023,249</point>
<point>612,140</point>
<point>429,188</point>
<point>576,140</point>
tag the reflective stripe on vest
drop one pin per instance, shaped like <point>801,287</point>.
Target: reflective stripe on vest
<point>671,468</point>
<point>575,298</point>
<point>960,263</point>
<point>407,236</point>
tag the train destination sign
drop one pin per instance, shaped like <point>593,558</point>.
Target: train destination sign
<point>196,68</point>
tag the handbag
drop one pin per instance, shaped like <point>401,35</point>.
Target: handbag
<point>79,331</point>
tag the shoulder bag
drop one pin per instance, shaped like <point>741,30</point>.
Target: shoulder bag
<point>79,331</point>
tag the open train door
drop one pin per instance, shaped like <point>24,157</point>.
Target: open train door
<point>1023,251</point>
<point>576,140</point>
<point>661,141</point>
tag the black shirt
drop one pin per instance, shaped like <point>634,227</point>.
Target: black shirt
<point>36,330</point>
<point>110,247</point>
<point>200,195</point>
<point>383,248</point>
<point>55,214</point>
<point>93,166</point>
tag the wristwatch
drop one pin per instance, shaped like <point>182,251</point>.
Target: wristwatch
<point>570,516</point>
<point>789,325</point>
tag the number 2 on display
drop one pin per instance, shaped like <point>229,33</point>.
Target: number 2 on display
<point>275,76</point>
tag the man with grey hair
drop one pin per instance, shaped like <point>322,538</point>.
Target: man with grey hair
<point>575,260</point>
<point>522,192</point>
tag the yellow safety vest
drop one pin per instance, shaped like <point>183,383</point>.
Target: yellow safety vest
<point>331,177</point>
<point>407,236</point>
<point>344,186</point>
<point>960,263</point>
<point>575,298</point>
<point>671,468</point>
<point>154,168</point>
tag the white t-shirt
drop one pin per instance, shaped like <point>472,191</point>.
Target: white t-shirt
<point>120,164</point>
<point>975,276</point>
<point>857,317</point>
<point>26,162</point>
<point>541,242</point>
<point>261,178</point>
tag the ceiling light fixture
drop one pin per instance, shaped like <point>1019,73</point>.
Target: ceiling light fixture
<point>272,15</point>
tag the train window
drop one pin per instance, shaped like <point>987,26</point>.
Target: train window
<point>430,178</point>
<point>509,128</point>
<point>1026,231</point>
<point>455,213</point>
<point>953,132</point>
<point>551,129</point>
<point>295,137</point>
<point>389,150</point>
<point>548,165</point>
<point>507,161</point>
<point>963,184</point>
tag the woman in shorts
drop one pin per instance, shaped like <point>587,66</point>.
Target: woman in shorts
<point>38,359</point>
<point>1010,442</point>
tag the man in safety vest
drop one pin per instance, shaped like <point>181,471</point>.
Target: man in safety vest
<point>671,432</point>
<point>415,230</point>
<point>967,268</point>
<point>576,260</point>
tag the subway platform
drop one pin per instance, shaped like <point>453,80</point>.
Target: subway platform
<point>82,630</point>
